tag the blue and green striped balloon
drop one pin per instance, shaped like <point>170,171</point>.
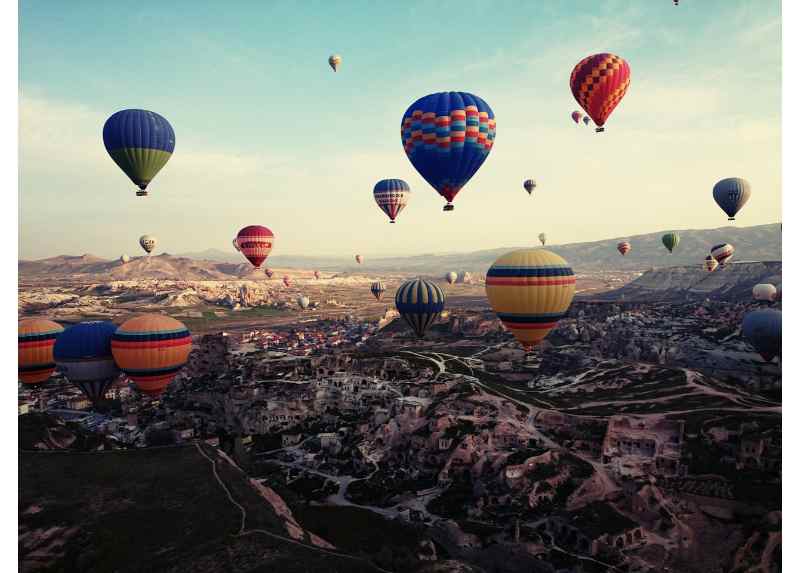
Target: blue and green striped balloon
<point>140,142</point>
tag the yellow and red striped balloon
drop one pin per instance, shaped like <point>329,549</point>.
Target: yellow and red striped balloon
<point>530,290</point>
<point>35,340</point>
<point>151,349</point>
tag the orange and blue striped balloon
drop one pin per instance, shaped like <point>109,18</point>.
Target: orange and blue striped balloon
<point>151,349</point>
<point>35,340</point>
<point>530,290</point>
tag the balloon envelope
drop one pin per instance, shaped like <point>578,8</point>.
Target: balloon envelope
<point>542,238</point>
<point>670,241</point>
<point>447,136</point>
<point>530,290</point>
<point>334,61</point>
<point>303,302</point>
<point>623,247</point>
<point>765,292</point>
<point>140,142</point>
<point>255,243</point>
<point>286,280</point>
<point>83,353</point>
<point>35,340</point>
<point>451,277</point>
<point>576,116</point>
<point>731,194</point>
<point>377,289</point>
<point>420,303</point>
<point>124,259</point>
<point>269,273</point>
<point>392,196</point>
<point>722,253</point>
<point>148,243</point>
<point>316,275</point>
<point>762,329</point>
<point>359,259</point>
<point>598,83</point>
<point>711,263</point>
<point>151,349</point>
<point>529,185</point>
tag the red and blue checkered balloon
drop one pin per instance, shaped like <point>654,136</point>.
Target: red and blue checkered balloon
<point>447,136</point>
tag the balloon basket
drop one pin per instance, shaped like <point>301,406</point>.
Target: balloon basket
<point>448,207</point>
<point>392,221</point>
<point>731,218</point>
<point>599,129</point>
<point>141,193</point>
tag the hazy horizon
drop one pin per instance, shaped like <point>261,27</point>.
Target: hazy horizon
<point>266,133</point>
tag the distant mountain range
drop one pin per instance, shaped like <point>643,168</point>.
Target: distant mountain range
<point>759,243</point>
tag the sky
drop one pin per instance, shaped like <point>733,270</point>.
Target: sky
<point>267,134</point>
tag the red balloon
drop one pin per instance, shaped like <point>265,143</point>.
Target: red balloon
<point>599,83</point>
<point>286,280</point>
<point>255,243</point>
<point>623,247</point>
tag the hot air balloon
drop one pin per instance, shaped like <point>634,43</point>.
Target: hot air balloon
<point>765,292</point>
<point>762,329</point>
<point>731,194</point>
<point>269,273</point>
<point>420,303</point>
<point>599,83</point>
<point>392,196</point>
<point>542,238</point>
<point>377,289</point>
<point>335,61</point>
<point>151,349</point>
<point>286,280</point>
<point>303,302</point>
<point>530,290</point>
<point>451,277</point>
<point>148,243</point>
<point>671,241</point>
<point>711,263</point>
<point>722,253</point>
<point>316,275</point>
<point>35,340</point>
<point>83,353</point>
<point>576,116</point>
<point>623,248</point>
<point>255,243</point>
<point>447,136</point>
<point>586,120</point>
<point>359,259</point>
<point>140,142</point>
<point>465,278</point>
<point>124,259</point>
<point>529,185</point>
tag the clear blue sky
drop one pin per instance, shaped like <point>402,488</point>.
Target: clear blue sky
<point>266,133</point>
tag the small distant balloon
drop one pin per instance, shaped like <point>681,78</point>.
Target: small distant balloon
<point>377,289</point>
<point>722,253</point>
<point>286,280</point>
<point>711,263</point>
<point>316,275</point>
<point>255,242</point>
<point>586,120</point>
<point>576,116</point>
<point>335,61</point>
<point>765,292</point>
<point>124,259</point>
<point>731,195</point>
<point>359,259</point>
<point>392,196</point>
<point>623,248</point>
<point>303,302</point>
<point>269,273</point>
<point>148,243</point>
<point>543,239</point>
<point>529,185</point>
<point>670,241</point>
<point>451,277</point>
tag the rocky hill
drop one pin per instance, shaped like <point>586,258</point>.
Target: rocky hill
<point>672,284</point>
<point>760,243</point>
